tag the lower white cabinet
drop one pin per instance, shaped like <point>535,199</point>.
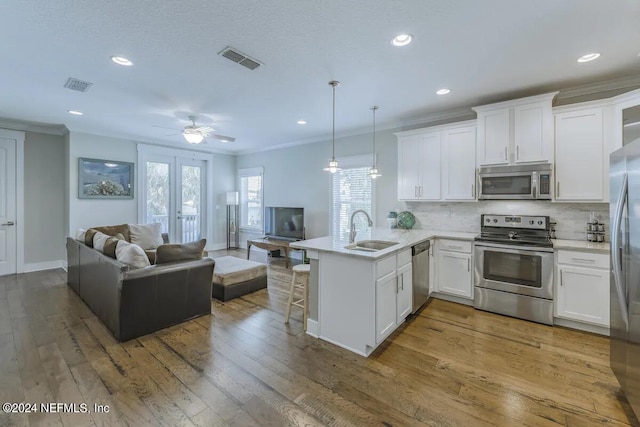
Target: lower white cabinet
<point>582,287</point>
<point>453,269</point>
<point>394,300</point>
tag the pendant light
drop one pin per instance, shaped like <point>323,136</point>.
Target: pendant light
<point>373,172</point>
<point>333,164</point>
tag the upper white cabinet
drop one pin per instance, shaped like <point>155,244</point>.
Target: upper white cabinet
<point>517,131</point>
<point>419,166</point>
<point>459,163</point>
<point>437,163</point>
<point>580,155</point>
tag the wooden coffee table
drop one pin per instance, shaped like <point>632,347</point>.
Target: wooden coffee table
<point>272,245</point>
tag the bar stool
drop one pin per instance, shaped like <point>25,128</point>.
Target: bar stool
<point>300,271</point>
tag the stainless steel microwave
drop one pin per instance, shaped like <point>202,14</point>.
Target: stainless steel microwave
<point>520,182</point>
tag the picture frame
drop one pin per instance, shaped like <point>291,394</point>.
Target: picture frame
<point>105,179</point>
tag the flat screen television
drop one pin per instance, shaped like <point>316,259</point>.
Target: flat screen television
<point>284,223</point>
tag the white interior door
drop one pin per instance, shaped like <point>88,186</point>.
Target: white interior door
<point>175,196</point>
<point>8,234</point>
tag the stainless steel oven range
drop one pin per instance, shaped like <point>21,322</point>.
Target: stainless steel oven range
<point>514,267</point>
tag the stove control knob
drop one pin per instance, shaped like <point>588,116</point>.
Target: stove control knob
<point>540,222</point>
<point>495,220</point>
<point>531,222</point>
<point>487,220</point>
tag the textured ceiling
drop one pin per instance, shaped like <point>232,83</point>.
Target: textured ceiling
<point>482,50</point>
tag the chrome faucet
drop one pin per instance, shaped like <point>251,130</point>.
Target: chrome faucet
<point>352,226</point>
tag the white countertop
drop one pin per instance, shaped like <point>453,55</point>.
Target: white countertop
<point>581,245</point>
<point>404,238</point>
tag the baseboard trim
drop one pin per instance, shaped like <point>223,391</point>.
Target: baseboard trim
<point>587,327</point>
<point>313,328</point>
<point>47,265</point>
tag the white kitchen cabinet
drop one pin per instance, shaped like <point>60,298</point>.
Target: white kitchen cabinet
<point>419,166</point>
<point>454,274</point>
<point>582,287</point>
<point>580,155</point>
<point>517,131</point>
<point>404,296</point>
<point>437,163</point>
<point>453,268</point>
<point>386,318</point>
<point>459,163</point>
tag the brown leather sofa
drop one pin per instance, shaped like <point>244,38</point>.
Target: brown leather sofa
<point>135,302</point>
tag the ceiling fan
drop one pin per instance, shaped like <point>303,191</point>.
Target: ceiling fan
<point>195,134</point>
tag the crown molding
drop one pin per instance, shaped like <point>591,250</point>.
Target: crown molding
<point>25,126</point>
<point>603,86</point>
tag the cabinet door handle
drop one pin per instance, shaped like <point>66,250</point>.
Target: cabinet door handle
<point>468,264</point>
<point>402,282</point>
<point>560,277</point>
<point>558,189</point>
<point>396,285</point>
<point>517,152</point>
<point>420,191</point>
<point>473,191</point>
<point>505,153</point>
<point>8,223</point>
<point>589,261</point>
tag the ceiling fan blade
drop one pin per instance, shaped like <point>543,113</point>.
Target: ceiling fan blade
<point>163,127</point>
<point>172,134</point>
<point>222,137</point>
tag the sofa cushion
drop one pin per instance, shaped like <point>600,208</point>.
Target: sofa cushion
<point>172,252</point>
<point>147,236</point>
<point>80,233</point>
<point>88,237</point>
<point>112,230</point>
<point>131,254</point>
<point>111,244</point>
<point>99,239</point>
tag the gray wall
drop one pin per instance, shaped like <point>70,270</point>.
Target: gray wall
<point>44,183</point>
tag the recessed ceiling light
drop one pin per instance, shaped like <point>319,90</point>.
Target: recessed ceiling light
<point>302,122</point>
<point>443,91</point>
<point>589,57</point>
<point>402,40</point>
<point>121,60</point>
<point>75,112</point>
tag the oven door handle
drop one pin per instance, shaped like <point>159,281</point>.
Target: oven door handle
<point>512,249</point>
<point>616,227</point>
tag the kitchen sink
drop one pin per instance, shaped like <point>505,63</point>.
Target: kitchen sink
<point>370,245</point>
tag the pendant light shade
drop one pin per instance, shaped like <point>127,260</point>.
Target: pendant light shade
<point>373,172</point>
<point>333,163</point>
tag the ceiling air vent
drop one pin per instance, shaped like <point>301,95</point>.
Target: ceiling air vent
<point>240,58</point>
<point>79,85</point>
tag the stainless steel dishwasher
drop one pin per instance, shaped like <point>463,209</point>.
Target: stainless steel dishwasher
<point>420,267</point>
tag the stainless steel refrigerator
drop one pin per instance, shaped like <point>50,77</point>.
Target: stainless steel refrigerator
<point>624,213</point>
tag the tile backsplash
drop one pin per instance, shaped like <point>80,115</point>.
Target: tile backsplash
<point>570,218</point>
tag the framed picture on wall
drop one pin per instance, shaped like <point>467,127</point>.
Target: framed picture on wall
<point>104,179</point>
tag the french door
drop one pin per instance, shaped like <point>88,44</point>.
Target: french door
<point>8,235</point>
<point>175,196</point>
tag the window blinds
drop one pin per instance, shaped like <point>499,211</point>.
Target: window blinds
<point>352,190</point>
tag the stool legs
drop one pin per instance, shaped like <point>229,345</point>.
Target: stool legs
<point>291,290</point>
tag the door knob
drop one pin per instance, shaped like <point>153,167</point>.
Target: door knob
<point>8,223</point>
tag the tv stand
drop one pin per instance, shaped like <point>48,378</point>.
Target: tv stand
<point>272,244</point>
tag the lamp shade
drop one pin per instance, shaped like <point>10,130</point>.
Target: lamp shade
<point>232,197</point>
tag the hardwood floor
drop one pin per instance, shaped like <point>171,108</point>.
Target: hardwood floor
<point>449,365</point>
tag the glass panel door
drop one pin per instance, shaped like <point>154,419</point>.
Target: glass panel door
<point>158,194</point>
<point>175,196</point>
<point>190,212</point>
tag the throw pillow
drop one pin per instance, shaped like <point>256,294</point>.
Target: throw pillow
<point>147,236</point>
<point>172,252</point>
<point>80,234</point>
<point>99,239</point>
<point>131,254</point>
<point>88,237</point>
<point>111,244</point>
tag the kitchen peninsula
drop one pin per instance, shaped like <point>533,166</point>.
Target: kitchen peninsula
<point>358,295</point>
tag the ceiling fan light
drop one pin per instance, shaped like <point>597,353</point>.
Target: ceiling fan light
<point>193,137</point>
